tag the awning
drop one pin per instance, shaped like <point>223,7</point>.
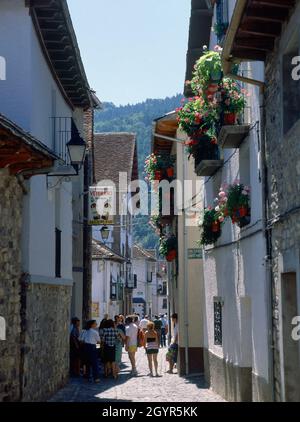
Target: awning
<point>253,29</point>
<point>20,152</point>
<point>164,127</point>
<point>138,300</point>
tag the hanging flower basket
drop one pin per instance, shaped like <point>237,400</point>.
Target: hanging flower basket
<point>207,69</point>
<point>238,203</point>
<point>211,227</point>
<point>168,247</point>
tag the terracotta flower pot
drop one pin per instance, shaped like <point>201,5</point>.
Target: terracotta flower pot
<point>243,211</point>
<point>170,172</point>
<point>230,119</point>
<point>215,227</point>
<point>171,256</point>
<point>158,175</point>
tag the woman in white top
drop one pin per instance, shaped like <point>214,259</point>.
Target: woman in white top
<point>91,338</point>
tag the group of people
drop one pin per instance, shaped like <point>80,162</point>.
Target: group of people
<point>105,344</point>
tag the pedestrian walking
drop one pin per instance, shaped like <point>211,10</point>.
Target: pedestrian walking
<point>109,339</point>
<point>121,324</point>
<point>158,326</point>
<point>75,351</point>
<point>164,331</point>
<point>152,348</point>
<point>144,323</point>
<point>119,347</point>
<point>91,338</point>
<point>173,349</point>
<point>131,342</point>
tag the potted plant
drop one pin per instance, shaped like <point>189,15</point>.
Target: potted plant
<point>220,29</point>
<point>210,224</point>
<point>168,247</point>
<point>232,101</point>
<point>197,117</point>
<point>238,203</point>
<point>207,71</point>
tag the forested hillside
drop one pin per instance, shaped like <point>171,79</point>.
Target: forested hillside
<point>138,119</point>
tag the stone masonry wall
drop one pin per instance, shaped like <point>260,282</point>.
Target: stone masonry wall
<point>10,272</point>
<point>46,362</point>
<point>283,162</point>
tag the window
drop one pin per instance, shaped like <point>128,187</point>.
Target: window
<point>164,289</point>
<point>135,281</point>
<point>149,276</point>
<point>165,304</point>
<point>222,19</point>
<point>57,253</point>
<point>113,289</point>
<point>218,334</point>
<point>290,86</point>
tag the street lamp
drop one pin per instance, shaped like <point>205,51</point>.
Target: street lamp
<point>105,233</point>
<point>76,148</point>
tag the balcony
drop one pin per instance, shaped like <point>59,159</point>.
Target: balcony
<point>232,136</point>
<point>62,129</point>
<point>207,159</point>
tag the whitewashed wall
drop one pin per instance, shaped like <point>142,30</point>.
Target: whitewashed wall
<point>26,98</point>
<point>235,273</point>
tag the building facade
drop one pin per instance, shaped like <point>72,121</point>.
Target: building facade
<point>116,175</point>
<point>43,111</point>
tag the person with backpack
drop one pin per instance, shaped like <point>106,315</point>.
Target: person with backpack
<point>158,326</point>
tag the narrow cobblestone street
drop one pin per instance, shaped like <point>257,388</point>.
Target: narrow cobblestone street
<point>167,388</point>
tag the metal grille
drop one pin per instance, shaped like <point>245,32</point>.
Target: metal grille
<point>61,130</point>
<point>218,335</point>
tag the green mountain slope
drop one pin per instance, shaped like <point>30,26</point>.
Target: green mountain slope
<point>138,119</point>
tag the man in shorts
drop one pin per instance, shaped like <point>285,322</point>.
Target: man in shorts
<point>131,342</point>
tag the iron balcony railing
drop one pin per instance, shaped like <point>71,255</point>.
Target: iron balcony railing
<point>61,131</point>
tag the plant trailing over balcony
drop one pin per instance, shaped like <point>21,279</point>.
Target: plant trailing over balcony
<point>231,101</point>
<point>207,70</point>
<point>196,117</point>
<point>234,202</point>
<point>159,167</point>
<point>220,29</point>
<point>211,226</point>
<point>168,247</point>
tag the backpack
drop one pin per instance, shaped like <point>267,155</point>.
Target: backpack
<point>140,338</point>
<point>158,324</point>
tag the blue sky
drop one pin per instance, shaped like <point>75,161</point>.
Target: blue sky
<point>133,49</point>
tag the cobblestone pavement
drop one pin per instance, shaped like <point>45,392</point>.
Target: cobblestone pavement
<point>167,388</point>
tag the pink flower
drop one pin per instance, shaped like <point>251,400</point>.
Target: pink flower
<point>222,194</point>
<point>221,219</point>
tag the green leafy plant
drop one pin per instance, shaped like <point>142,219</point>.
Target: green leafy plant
<point>197,117</point>
<point>207,69</point>
<point>238,203</point>
<point>220,29</point>
<point>167,246</point>
<point>210,226</point>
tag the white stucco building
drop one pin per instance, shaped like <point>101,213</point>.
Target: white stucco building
<point>148,298</point>
<point>44,98</point>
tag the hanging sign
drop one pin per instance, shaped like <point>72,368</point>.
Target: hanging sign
<point>101,206</point>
